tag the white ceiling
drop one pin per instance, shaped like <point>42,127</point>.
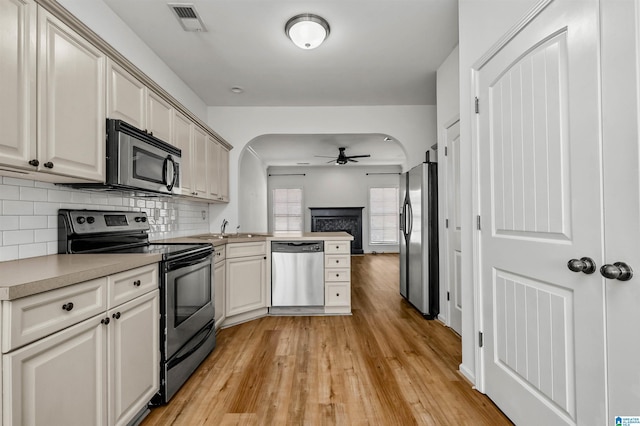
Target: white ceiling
<point>379,52</point>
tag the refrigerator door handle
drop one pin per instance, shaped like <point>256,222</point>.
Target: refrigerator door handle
<point>410,224</point>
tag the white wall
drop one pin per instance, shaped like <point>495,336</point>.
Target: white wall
<point>104,22</point>
<point>252,193</point>
<point>481,23</point>
<point>414,127</point>
<point>337,186</point>
<point>29,215</point>
<point>448,110</point>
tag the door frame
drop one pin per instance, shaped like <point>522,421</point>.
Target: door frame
<point>443,176</point>
<point>477,286</point>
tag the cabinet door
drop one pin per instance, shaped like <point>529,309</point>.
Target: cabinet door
<point>160,118</point>
<point>199,149</point>
<point>18,82</point>
<point>219,279</point>
<point>182,135</point>
<point>71,102</point>
<point>213,170</point>
<point>134,351</point>
<point>246,284</point>
<point>223,174</point>
<point>126,96</point>
<point>58,380</point>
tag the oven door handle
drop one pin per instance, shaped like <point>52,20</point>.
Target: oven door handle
<point>179,358</point>
<point>178,264</point>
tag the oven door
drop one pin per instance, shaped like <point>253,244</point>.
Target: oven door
<point>146,166</point>
<point>188,299</point>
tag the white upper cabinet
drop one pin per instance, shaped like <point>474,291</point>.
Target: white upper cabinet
<point>159,118</point>
<point>199,162</point>
<point>71,102</point>
<point>182,136</point>
<point>18,82</point>
<point>126,96</point>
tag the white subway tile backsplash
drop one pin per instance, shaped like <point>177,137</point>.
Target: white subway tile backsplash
<point>9,223</point>
<point>9,253</point>
<point>34,222</point>
<point>32,250</point>
<point>33,194</point>
<point>9,192</point>
<point>10,238</point>
<point>11,207</point>
<point>46,235</point>
<point>17,182</point>
<point>29,215</point>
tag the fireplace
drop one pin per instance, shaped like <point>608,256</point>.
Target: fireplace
<point>335,219</point>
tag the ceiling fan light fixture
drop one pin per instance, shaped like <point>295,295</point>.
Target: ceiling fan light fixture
<point>307,31</point>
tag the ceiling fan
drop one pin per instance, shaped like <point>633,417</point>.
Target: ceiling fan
<point>343,158</point>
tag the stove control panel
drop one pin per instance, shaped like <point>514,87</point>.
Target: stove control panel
<point>97,221</point>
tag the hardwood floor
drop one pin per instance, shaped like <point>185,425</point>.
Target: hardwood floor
<point>384,365</point>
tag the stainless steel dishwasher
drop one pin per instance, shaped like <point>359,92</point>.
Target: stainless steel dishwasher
<point>297,273</point>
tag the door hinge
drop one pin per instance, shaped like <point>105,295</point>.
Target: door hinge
<point>448,296</point>
<point>478,224</point>
<point>480,339</point>
<point>446,151</point>
<point>477,105</point>
<point>446,223</point>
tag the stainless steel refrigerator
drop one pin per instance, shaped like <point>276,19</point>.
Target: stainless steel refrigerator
<point>419,238</point>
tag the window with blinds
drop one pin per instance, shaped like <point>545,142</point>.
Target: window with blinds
<point>383,215</point>
<point>287,209</point>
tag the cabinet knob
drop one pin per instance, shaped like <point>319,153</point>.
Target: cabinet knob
<point>116,315</point>
<point>105,321</point>
<point>137,283</point>
<point>34,163</point>
<point>337,261</point>
<point>337,275</point>
<point>48,165</point>
<point>337,294</point>
<point>67,306</point>
<point>585,265</point>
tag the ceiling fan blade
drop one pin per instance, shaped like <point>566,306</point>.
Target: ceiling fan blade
<point>324,156</point>
<point>358,156</point>
<point>331,161</point>
<point>350,159</point>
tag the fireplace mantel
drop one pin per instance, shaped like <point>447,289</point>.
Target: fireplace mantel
<point>332,219</point>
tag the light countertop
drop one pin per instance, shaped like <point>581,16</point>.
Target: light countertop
<point>24,277</point>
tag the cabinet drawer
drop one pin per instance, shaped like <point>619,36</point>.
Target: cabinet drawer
<point>337,275</point>
<point>130,284</point>
<point>337,261</point>
<point>258,248</point>
<point>31,318</point>
<point>337,247</point>
<point>219,254</point>
<point>336,294</point>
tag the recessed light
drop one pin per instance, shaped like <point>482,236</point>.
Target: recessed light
<point>388,139</point>
<point>237,89</point>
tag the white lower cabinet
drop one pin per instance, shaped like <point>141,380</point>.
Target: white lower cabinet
<point>337,277</point>
<point>98,371</point>
<point>246,283</point>
<point>134,356</point>
<point>58,380</point>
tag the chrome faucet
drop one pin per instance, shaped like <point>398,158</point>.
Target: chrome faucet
<point>225,222</point>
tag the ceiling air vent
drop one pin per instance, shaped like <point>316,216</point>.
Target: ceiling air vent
<point>187,16</point>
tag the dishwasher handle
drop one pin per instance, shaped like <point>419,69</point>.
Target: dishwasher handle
<point>297,246</point>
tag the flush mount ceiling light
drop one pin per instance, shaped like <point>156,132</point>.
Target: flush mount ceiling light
<point>307,31</point>
<point>237,90</point>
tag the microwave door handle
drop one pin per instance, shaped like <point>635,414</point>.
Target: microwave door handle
<point>164,172</point>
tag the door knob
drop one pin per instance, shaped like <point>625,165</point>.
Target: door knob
<point>585,265</point>
<point>618,271</point>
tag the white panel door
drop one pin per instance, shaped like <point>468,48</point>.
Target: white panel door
<point>160,118</point>
<point>621,115</point>
<point>540,196</point>
<point>199,162</point>
<point>454,237</point>
<point>126,96</point>
<point>182,135</point>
